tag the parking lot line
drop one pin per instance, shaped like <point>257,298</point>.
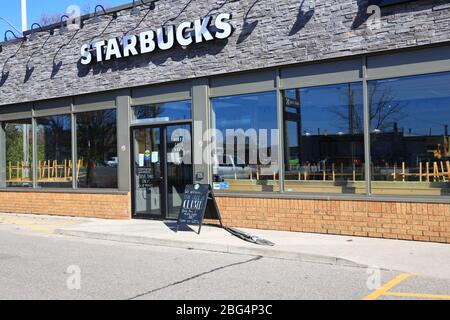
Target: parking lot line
<point>417,295</point>
<point>32,227</point>
<point>388,286</point>
<point>36,226</point>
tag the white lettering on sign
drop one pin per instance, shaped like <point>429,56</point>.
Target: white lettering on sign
<point>192,204</point>
<point>146,41</point>
<point>129,45</point>
<point>201,30</point>
<point>164,38</point>
<point>112,49</point>
<point>182,39</point>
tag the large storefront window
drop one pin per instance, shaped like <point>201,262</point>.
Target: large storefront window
<point>409,135</point>
<point>324,139</point>
<point>97,149</point>
<point>19,155</point>
<point>54,151</point>
<point>168,111</point>
<point>245,151</point>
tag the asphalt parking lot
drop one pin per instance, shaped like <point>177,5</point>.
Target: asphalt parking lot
<point>38,264</point>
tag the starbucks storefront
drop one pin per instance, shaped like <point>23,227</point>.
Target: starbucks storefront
<point>298,121</point>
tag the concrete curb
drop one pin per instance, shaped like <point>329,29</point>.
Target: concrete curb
<point>269,252</point>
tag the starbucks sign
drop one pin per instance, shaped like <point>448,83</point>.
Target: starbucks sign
<point>164,38</point>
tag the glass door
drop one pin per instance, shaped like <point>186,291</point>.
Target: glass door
<point>162,169</point>
<point>179,166</point>
<point>148,172</point>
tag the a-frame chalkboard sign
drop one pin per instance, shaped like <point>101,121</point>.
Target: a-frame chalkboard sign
<point>198,204</point>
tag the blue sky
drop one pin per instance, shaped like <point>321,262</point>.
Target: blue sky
<point>11,10</point>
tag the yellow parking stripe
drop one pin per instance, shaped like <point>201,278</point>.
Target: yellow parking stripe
<point>417,295</point>
<point>388,286</point>
<point>35,225</point>
<point>30,226</point>
<point>59,224</point>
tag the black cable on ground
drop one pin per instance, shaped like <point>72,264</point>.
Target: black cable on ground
<point>248,237</point>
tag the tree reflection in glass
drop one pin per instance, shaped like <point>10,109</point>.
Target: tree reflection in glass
<point>97,149</point>
<point>409,135</point>
<point>54,151</point>
<point>19,154</point>
<point>324,139</point>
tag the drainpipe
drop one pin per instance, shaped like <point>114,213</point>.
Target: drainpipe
<point>25,128</point>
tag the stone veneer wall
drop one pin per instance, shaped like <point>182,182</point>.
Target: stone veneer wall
<point>274,33</point>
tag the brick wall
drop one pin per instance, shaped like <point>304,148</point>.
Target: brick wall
<point>67,204</point>
<point>406,221</point>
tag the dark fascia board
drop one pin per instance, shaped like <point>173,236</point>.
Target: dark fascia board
<point>386,3</point>
<point>382,3</point>
<point>91,15</point>
<point>4,44</point>
<point>83,18</point>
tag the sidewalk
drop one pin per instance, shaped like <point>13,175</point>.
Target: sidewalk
<point>428,259</point>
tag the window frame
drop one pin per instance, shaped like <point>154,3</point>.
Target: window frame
<point>360,69</point>
<point>3,145</point>
<point>370,132</point>
<point>60,107</point>
<point>159,120</point>
<point>75,148</point>
<point>248,89</point>
<point>35,150</point>
<point>311,86</point>
<point>419,60</point>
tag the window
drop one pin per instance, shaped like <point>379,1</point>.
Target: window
<point>54,151</point>
<point>245,151</point>
<point>410,146</point>
<point>19,154</point>
<point>168,111</point>
<point>324,139</point>
<point>97,149</point>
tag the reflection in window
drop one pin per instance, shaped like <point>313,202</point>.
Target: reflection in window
<point>245,155</point>
<point>409,135</point>
<point>97,149</point>
<point>54,154</point>
<point>168,111</point>
<point>19,155</point>
<point>178,166</point>
<point>324,139</point>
